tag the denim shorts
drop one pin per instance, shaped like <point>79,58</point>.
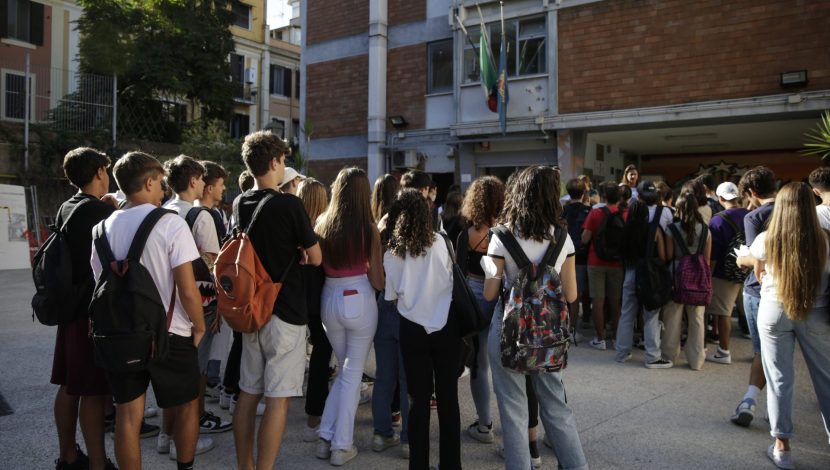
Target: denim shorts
<point>751,304</point>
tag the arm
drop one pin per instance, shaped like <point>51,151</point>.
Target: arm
<point>492,286</point>
<point>707,250</point>
<point>586,236</point>
<point>760,268</point>
<point>190,298</point>
<point>746,261</point>
<point>669,247</point>
<point>661,245</point>
<point>314,255</point>
<point>568,277</point>
<point>376,262</point>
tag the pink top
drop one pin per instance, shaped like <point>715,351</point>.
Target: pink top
<point>348,271</point>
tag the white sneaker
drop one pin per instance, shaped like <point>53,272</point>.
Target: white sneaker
<point>720,356</point>
<point>365,394</point>
<point>597,344</point>
<point>381,443</point>
<point>310,434</point>
<point>203,445</point>
<point>781,458</point>
<point>151,412</point>
<point>405,451</point>
<point>323,450</point>
<point>481,433</point>
<point>225,399</point>
<point>341,457</point>
<point>163,443</point>
<point>212,394</point>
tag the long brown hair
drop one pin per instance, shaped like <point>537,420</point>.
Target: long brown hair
<point>314,197</point>
<point>796,249</point>
<point>532,205</point>
<point>484,201</point>
<point>346,226</point>
<point>386,189</point>
<point>689,216</point>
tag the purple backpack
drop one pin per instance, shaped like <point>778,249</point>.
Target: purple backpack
<point>692,275</point>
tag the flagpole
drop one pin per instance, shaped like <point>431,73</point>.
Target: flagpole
<point>486,36</point>
<point>466,34</point>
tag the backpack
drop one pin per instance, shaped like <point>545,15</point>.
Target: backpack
<point>128,320</point>
<point>244,290</point>
<point>692,276</point>
<point>731,271</point>
<point>653,286</point>
<point>575,215</point>
<point>608,240</point>
<point>201,271</point>
<point>536,332</point>
<point>56,297</point>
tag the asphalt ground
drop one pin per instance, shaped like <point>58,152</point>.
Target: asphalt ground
<point>628,416</point>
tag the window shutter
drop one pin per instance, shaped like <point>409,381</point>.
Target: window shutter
<point>286,73</point>
<point>36,20</point>
<point>4,27</point>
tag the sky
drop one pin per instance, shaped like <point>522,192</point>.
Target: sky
<point>279,13</point>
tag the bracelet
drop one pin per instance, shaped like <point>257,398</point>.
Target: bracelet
<point>496,277</point>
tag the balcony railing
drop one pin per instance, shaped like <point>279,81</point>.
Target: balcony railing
<point>244,93</point>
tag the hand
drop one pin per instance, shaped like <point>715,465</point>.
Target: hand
<point>197,336</point>
<point>111,200</point>
<point>303,256</point>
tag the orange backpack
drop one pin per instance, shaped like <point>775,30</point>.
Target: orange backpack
<point>244,289</point>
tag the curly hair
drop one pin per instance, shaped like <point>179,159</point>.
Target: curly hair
<point>410,225</point>
<point>484,201</point>
<point>532,203</point>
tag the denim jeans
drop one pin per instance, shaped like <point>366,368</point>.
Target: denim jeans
<point>778,335</point>
<point>389,372</point>
<point>625,328</point>
<point>511,396</point>
<point>480,378</point>
<point>350,317</point>
<point>751,304</point>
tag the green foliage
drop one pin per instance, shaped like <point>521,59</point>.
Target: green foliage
<point>818,139</point>
<point>210,140</point>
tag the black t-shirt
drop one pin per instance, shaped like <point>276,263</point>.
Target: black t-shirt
<point>79,236</point>
<point>281,228</point>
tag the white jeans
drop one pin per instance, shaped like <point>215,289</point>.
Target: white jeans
<point>350,318</point>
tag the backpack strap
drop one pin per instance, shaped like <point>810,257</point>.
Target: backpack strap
<point>102,245</point>
<point>652,232</point>
<point>256,211</point>
<point>704,232</point>
<point>73,212</point>
<point>193,214</point>
<point>511,245</point>
<point>684,250</point>
<point>554,250</point>
<point>729,222</point>
<point>143,232</point>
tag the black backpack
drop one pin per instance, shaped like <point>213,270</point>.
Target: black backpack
<point>575,214</point>
<point>731,271</point>
<point>653,281</point>
<point>56,297</point>
<point>129,321</point>
<point>608,240</point>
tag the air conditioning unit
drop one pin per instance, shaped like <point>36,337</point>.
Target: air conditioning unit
<point>405,159</point>
<point>250,75</point>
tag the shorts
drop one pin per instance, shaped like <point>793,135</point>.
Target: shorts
<point>74,363</point>
<point>273,360</point>
<point>724,295</point>
<point>751,305</point>
<point>581,279</point>
<point>175,380</point>
<point>605,282</point>
<point>207,341</point>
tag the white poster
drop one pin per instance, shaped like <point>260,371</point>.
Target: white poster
<point>14,249</point>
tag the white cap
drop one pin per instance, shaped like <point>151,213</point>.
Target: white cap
<point>290,174</point>
<point>728,191</point>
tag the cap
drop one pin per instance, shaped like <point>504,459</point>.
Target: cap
<point>290,174</point>
<point>646,187</point>
<point>728,191</point>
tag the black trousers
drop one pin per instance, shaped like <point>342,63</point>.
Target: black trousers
<point>426,357</point>
<point>231,379</point>
<point>318,368</point>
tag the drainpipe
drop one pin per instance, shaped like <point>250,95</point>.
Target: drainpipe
<point>378,23</point>
<point>265,72</point>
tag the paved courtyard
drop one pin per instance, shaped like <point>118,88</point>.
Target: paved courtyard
<point>628,416</point>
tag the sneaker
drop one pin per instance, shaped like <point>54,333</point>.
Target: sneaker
<point>212,394</point>
<point>719,356</point>
<point>640,344</point>
<point>225,399</point>
<point>597,344</point>
<point>323,450</point>
<point>405,451</point>
<point>81,461</point>
<point>481,434</point>
<point>367,380</point>
<point>744,413</point>
<point>624,358</point>
<point>163,443</point>
<point>535,457</point>
<point>203,445</point>
<point>659,364</point>
<point>209,423</point>
<point>781,458</point>
<point>365,393</point>
<point>381,443</point>
<point>151,412</point>
<point>310,434</point>
<point>341,457</point>
<point>397,420</point>
<point>148,430</point>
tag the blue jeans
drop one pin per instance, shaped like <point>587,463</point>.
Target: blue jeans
<point>389,371</point>
<point>625,328</point>
<point>480,383</point>
<point>511,396</point>
<point>778,335</point>
<point>751,304</point>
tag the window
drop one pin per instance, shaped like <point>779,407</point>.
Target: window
<point>240,124</point>
<point>526,49</point>
<point>172,112</point>
<point>23,21</point>
<point>440,67</point>
<point>278,127</point>
<point>14,95</point>
<point>241,14</point>
<point>237,67</point>
<point>297,84</point>
<point>280,80</point>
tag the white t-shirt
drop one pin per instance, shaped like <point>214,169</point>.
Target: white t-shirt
<point>534,251</point>
<point>769,290</point>
<point>666,217</point>
<point>823,213</point>
<point>422,285</point>
<point>204,230</point>
<point>169,246</point>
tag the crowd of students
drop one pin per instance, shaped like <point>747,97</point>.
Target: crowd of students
<point>371,268</point>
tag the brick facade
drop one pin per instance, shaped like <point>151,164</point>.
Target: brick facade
<point>326,170</point>
<point>406,11</point>
<point>634,53</point>
<point>332,19</point>
<point>336,97</point>
<point>406,80</point>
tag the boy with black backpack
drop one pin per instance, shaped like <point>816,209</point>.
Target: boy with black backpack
<point>146,311</point>
<point>603,229</point>
<point>185,178</point>
<point>83,386</point>
<point>575,212</point>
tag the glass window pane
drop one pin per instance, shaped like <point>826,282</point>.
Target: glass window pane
<point>470,66</point>
<point>241,14</point>
<point>532,28</point>
<point>532,56</point>
<point>495,39</point>
<point>440,67</point>
<point>15,96</point>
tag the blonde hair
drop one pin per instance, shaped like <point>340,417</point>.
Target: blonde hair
<point>796,249</point>
<point>314,197</point>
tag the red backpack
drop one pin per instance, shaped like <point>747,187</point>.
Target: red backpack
<point>692,275</point>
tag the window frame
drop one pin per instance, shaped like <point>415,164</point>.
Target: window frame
<point>236,4</point>
<point>494,28</point>
<point>32,97</point>
<point>430,85</point>
<point>284,72</point>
